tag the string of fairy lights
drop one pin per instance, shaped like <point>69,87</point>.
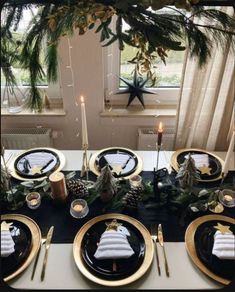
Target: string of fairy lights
<point>71,85</point>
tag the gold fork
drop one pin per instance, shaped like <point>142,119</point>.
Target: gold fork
<point>43,240</point>
<point>154,239</point>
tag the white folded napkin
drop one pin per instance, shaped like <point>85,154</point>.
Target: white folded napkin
<point>7,243</point>
<point>224,246</point>
<point>113,245</point>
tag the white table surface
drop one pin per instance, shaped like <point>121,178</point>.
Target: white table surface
<point>62,272</point>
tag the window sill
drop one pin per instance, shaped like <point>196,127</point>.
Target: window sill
<point>133,112</point>
<point>26,112</point>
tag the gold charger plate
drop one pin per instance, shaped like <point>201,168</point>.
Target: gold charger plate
<point>148,257</point>
<point>17,176</point>
<point>175,164</point>
<point>36,241</point>
<point>95,170</point>
<point>190,244</point>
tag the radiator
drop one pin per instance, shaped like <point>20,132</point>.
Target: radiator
<point>26,138</point>
<point>147,138</point>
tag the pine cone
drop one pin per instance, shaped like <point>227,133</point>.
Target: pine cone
<point>133,197</point>
<point>76,187</point>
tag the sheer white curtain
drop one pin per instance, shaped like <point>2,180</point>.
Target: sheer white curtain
<point>206,103</point>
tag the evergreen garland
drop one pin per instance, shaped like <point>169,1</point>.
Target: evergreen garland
<point>174,199</point>
<point>151,33</point>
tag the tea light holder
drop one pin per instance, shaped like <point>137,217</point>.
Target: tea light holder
<point>227,198</point>
<point>33,200</point>
<point>135,181</point>
<point>79,208</point>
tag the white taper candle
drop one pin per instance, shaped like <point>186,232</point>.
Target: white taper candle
<point>84,124</point>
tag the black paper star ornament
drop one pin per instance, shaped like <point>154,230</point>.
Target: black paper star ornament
<point>135,88</point>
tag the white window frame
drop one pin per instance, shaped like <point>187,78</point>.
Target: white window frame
<point>52,89</point>
<point>163,97</point>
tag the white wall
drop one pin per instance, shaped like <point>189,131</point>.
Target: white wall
<point>87,64</point>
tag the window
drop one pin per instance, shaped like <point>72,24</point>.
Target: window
<point>22,75</point>
<point>166,88</point>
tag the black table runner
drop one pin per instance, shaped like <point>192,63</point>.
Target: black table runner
<point>66,227</point>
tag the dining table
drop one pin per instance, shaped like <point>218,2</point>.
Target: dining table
<point>63,273</point>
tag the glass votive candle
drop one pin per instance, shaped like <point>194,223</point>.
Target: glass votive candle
<point>79,208</point>
<point>135,181</point>
<point>33,200</point>
<point>227,198</point>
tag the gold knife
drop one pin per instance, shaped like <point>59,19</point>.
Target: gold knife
<point>161,241</point>
<point>47,245</point>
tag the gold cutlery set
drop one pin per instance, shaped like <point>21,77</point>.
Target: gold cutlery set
<point>47,241</point>
<point>157,237</point>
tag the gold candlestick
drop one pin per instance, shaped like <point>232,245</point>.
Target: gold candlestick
<point>85,165</point>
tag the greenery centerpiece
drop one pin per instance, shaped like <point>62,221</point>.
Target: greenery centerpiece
<point>153,31</point>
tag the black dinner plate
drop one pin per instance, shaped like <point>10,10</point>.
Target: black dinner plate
<point>45,158</point>
<point>204,240</point>
<point>214,164</point>
<point>103,268</point>
<point>22,238</point>
<point>126,158</point>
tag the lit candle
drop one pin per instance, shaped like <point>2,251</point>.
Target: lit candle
<point>33,200</point>
<point>159,134</point>
<point>84,124</point>
<point>79,208</point>
<point>228,198</point>
<point>229,155</point>
<point>58,186</point>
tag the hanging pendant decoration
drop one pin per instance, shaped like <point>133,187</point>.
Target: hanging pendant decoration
<point>136,88</point>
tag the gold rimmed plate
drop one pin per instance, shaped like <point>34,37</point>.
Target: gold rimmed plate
<point>199,238</point>
<point>209,172</point>
<point>27,237</point>
<point>123,162</point>
<point>36,163</point>
<point>100,271</point>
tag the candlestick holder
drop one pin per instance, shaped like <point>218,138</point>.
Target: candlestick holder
<point>158,146</point>
<point>85,164</point>
<point>160,180</point>
<point>33,200</point>
<point>79,208</point>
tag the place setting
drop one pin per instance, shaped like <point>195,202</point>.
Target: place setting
<point>210,242</point>
<point>20,243</point>
<point>113,250</point>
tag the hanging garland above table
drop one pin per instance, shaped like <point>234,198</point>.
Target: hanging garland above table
<point>152,33</point>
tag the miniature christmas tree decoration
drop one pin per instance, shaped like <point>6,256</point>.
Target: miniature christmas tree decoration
<point>188,174</point>
<point>7,243</point>
<point>106,184</point>
<point>113,244</point>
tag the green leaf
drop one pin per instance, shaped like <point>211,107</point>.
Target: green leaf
<point>28,184</point>
<point>70,175</point>
<point>113,39</point>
